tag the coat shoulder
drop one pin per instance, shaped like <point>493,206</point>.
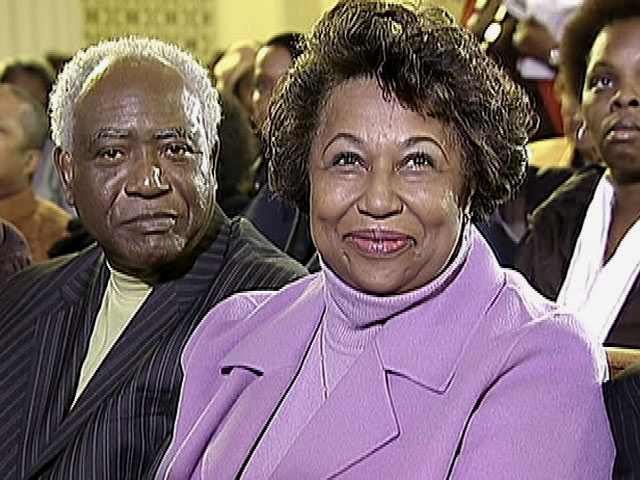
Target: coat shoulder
<point>237,316</point>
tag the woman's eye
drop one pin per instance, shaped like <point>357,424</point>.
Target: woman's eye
<point>418,160</point>
<point>344,159</point>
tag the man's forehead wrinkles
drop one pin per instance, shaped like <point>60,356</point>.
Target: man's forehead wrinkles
<point>180,132</point>
<point>112,133</point>
<point>174,132</point>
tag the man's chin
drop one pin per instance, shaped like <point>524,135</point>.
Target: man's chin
<point>150,260</point>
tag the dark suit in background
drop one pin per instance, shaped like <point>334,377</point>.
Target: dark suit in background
<point>622,397</point>
<point>122,422</point>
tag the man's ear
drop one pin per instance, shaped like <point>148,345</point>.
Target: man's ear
<point>64,164</point>
<point>215,151</point>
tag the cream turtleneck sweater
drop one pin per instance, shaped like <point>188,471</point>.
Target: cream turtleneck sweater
<point>122,298</point>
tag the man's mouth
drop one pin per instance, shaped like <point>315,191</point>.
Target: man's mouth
<point>624,130</point>
<point>158,222</point>
<point>380,242</point>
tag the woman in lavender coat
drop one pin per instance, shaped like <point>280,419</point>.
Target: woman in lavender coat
<point>411,354</point>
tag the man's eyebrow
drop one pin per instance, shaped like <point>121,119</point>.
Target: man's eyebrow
<point>174,132</point>
<point>110,133</point>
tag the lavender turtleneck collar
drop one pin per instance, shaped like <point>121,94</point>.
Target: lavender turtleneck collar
<point>352,317</point>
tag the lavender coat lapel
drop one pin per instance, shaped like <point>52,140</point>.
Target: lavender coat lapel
<point>357,419</point>
<point>256,375</point>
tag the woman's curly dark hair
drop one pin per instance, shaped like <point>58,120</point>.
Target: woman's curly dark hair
<point>581,32</point>
<point>431,65</point>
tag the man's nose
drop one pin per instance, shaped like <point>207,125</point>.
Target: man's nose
<point>380,198</point>
<point>626,96</point>
<point>146,177</point>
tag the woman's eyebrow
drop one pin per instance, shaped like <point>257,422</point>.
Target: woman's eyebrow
<point>343,135</point>
<point>411,141</point>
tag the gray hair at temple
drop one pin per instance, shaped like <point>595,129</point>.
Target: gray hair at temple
<point>75,76</point>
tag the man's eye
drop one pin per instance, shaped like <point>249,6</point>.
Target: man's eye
<point>344,159</point>
<point>111,153</point>
<point>179,150</point>
<point>601,82</point>
<point>418,160</point>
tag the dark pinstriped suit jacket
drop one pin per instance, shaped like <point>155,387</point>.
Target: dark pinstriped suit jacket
<point>622,397</point>
<point>122,423</point>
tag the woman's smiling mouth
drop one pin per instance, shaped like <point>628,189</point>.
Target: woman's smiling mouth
<point>379,242</point>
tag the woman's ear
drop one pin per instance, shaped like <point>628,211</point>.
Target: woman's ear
<point>467,198</point>
<point>64,164</point>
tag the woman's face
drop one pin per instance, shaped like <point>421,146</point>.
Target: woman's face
<point>611,97</point>
<point>386,191</point>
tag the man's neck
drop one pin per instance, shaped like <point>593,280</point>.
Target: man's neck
<point>172,270</point>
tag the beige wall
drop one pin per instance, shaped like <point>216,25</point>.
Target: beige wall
<point>260,19</point>
<point>33,27</point>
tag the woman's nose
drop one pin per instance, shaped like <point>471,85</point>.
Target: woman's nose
<point>380,197</point>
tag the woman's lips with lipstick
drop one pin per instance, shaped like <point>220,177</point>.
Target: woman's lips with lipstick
<point>380,242</point>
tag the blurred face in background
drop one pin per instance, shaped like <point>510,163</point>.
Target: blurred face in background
<point>17,161</point>
<point>31,83</point>
<point>611,98</point>
<point>272,63</point>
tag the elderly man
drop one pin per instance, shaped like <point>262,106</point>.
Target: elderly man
<point>23,132</point>
<point>90,344</point>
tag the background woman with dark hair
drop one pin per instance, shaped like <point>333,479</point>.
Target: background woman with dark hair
<point>582,246</point>
<point>411,354</point>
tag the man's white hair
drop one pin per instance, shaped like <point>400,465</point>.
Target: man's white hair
<point>87,63</point>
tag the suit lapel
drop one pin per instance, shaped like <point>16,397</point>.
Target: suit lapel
<point>120,366</point>
<point>62,336</point>
<point>151,323</point>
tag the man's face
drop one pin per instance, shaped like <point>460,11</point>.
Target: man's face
<point>141,171</point>
<point>15,162</point>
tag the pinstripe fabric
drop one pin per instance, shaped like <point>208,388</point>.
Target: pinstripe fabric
<point>122,422</point>
<point>622,397</point>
